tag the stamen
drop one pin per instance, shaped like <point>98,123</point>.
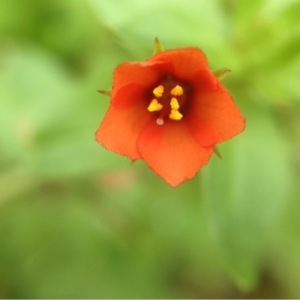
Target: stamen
<point>158,91</point>
<point>154,106</point>
<point>177,91</point>
<point>175,115</point>
<point>174,103</point>
<point>160,121</point>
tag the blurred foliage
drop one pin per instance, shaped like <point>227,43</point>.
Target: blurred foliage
<point>78,221</point>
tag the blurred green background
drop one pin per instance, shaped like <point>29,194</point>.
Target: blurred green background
<point>77,221</point>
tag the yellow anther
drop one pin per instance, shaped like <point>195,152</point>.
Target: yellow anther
<point>175,115</point>
<point>174,103</point>
<point>177,91</point>
<point>154,106</point>
<point>158,91</point>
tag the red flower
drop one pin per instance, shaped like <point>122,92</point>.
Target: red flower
<point>170,111</point>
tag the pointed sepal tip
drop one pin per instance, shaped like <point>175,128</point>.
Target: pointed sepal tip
<point>158,47</point>
<point>221,73</point>
<point>217,152</point>
<point>104,92</point>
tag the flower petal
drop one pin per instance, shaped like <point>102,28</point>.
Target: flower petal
<point>213,105</point>
<point>129,95</point>
<point>171,151</point>
<point>144,74</point>
<point>201,131</point>
<point>185,62</point>
<point>124,121</point>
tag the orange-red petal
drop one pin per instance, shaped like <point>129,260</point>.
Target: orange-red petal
<point>124,121</point>
<point>144,74</point>
<point>201,131</point>
<point>212,104</point>
<point>172,152</point>
<point>129,95</point>
<point>185,62</point>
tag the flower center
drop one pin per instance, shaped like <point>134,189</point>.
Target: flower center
<point>169,99</point>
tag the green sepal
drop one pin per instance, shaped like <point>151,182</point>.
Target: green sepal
<point>103,92</point>
<point>217,152</point>
<point>158,47</point>
<point>221,73</point>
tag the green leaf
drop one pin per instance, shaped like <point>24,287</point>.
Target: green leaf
<point>176,23</point>
<point>245,192</point>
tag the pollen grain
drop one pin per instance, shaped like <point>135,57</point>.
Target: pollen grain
<point>158,91</point>
<point>174,103</point>
<point>175,115</point>
<point>177,91</point>
<point>154,106</point>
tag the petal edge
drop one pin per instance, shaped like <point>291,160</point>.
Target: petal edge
<point>172,152</point>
